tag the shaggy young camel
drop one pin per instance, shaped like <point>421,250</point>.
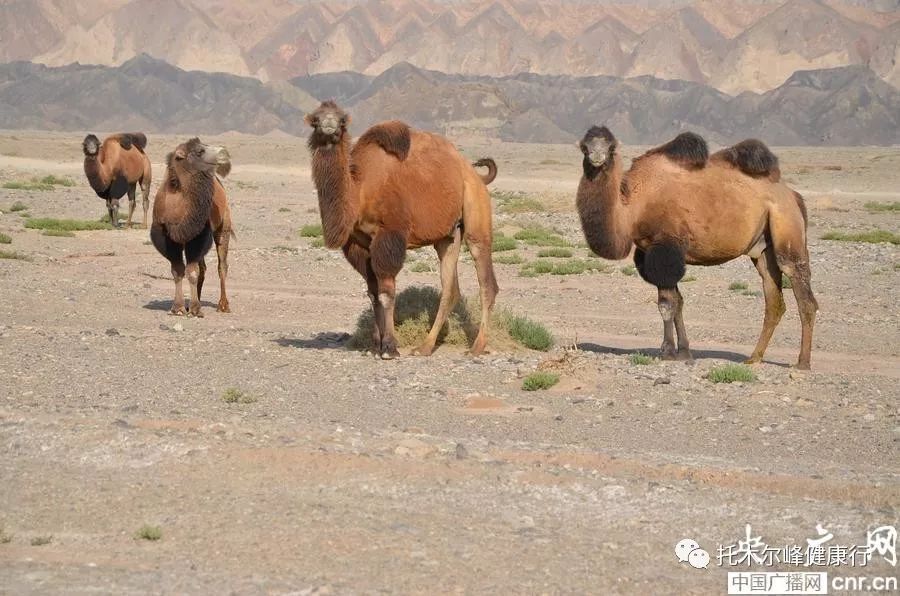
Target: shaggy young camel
<point>399,188</point>
<point>116,167</point>
<point>677,205</point>
<point>189,214</point>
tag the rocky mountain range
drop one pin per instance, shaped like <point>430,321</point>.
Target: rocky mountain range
<point>733,45</point>
<point>848,105</point>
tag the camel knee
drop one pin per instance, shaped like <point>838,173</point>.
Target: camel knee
<point>667,310</point>
<point>193,275</point>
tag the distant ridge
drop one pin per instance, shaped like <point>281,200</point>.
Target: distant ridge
<point>838,106</point>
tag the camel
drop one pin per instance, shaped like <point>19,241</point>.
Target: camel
<point>396,189</point>
<point>677,205</point>
<point>116,167</point>
<point>189,214</point>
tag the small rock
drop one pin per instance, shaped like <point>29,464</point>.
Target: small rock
<point>869,417</point>
<point>164,327</point>
<point>177,327</point>
<point>662,381</point>
<point>765,429</point>
<point>558,418</point>
<point>112,331</point>
<point>461,451</point>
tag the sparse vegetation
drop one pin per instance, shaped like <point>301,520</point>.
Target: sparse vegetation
<point>540,236</point>
<point>516,202</point>
<point>58,233</point>
<point>540,380</point>
<point>5,239</point>
<point>317,243</point>
<point>18,206</point>
<point>41,540</point>
<point>786,282</point>
<point>570,267</point>
<point>688,279</point>
<point>883,207</point>
<point>503,243</point>
<point>415,308</point>
<point>283,210</point>
<point>731,373</point>
<point>4,537</point>
<point>236,396</point>
<point>555,252</point>
<point>755,293</point>
<point>628,270</point>
<point>311,231</point>
<point>738,286</point>
<point>871,237</point>
<point>68,225</point>
<point>640,359</point>
<point>421,267</point>
<point>11,254</point>
<point>513,258</point>
<point>151,533</point>
<point>45,183</point>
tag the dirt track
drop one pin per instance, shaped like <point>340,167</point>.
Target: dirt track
<point>353,475</point>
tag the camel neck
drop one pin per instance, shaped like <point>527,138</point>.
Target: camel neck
<point>603,213</point>
<point>337,191</point>
<point>97,178</point>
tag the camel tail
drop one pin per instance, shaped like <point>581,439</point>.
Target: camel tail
<point>753,158</point>
<point>689,150</point>
<point>491,165</point>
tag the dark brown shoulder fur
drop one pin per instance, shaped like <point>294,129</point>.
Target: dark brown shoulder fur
<point>688,150</point>
<point>753,158</point>
<point>393,137</point>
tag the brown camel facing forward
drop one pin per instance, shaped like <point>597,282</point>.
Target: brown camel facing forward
<point>116,167</point>
<point>189,214</point>
<point>399,188</point>
<point>677,205</point>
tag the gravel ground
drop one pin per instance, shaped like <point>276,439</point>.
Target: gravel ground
<point>339,473</point>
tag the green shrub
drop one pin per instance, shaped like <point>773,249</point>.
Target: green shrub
<point>628,270</point>
<point>151,533</point>
<point>516,202</point>
<point>640,359</point>
<point>731,373</point>
<point>18,206</point>
<point>737,286</point>
<point>311,231</point>
<point>871,237</point>
<point>555,252</point>
<point>509,259</point>
<point>5,238</point>
<point>530,334</point>
<point>881,207</point>
<point>540,380</point>
<point>236,396</point>
<point>540,236</point>
<point>502,243</point>
<point>69,225</point>
<point>11,254</point>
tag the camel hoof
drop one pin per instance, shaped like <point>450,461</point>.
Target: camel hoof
<point>802,366</point>
<point>684,356</point>
<point>195,312</point>
<point>223,307</point>
<point>668,356</point>
<point>178,311</point>
<point>424,350</point>
<point>390,354</point>
<point>753,360</point>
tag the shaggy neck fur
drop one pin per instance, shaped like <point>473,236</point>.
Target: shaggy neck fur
<point>338,193</point>
<point>602,210</point>
<point>196,188</point>
<point>98,178</point>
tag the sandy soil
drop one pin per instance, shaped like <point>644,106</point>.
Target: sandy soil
<point>352,475</point>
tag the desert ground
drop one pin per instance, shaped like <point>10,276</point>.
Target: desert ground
<point>337,472</point>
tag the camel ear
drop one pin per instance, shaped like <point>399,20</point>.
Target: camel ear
<point>309,120</point>
<point>580,146</point>
<point>345,120</point>
<point>180,153</point>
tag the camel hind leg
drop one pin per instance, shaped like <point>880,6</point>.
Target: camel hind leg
<point>221,239</point>
<point>788,232</point>
<point>478,231</point>
<point>448,252</point>
<point>767,266</point>
<point>145,195</point>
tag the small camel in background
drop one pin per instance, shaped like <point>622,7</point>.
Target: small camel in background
<point>677,205</point>
<point>189,214</point>
<point>399,188</point>
<point>116,167</point>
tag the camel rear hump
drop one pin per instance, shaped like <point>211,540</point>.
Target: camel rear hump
<point>753,158</point>
<point>393,137</point>
<point>689,150</point>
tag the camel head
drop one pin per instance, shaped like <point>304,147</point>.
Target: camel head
<point>598,146</point>
<point>90,146</point>
<point>196,156</point>
<point>329,123</point>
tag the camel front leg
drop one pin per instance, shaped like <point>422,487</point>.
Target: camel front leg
<point>201,277</point>
<point>387,250</point>
<point>358,257</point>
<point>448,252</point>
<point>112,205</point>
<point>132,202</point>
<point>193,275</point>
<point>178,276</point>
<point>222,253</point>
<point>194,251</point>
<point>667,301</point>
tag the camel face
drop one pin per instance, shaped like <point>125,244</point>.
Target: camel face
<point>329,122</point>
<point>598,145</point>
<point>90,145</point>
<point>196,155</point>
